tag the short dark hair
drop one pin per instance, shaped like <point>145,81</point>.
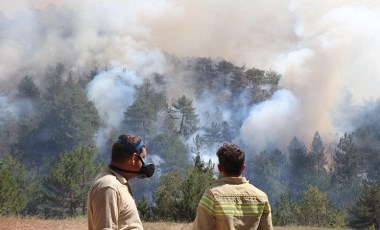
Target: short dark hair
<point>124,147</point>
<point>231,159</point>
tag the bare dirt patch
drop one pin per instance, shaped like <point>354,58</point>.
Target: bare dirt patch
<point>14,223</point>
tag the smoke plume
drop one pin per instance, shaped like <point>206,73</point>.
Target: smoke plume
<point>324,51</point>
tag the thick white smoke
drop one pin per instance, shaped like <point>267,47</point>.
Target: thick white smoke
<point>324,50</point>
<point>271,121</point>
<point>112,92</point>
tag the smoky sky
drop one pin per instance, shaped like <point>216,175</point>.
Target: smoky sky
<point>326,52</point>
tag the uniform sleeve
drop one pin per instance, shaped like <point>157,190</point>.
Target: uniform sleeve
<point>105,209</point>
<point>205,217</point>
<point>266,218</point>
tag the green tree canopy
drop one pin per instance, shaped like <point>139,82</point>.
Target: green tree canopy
<point>225,68</point>
<point>346,160</point>
<point>168,196</point>
<point>8,132</point>
<point>317,152</point>
<point>216,128</point>
<point>71,118</point>
<point>141,115</point>
<point>183,110</point>
<point>145,210</point>
<point>178,195</point>
<point>299,166</point>
<point>27,88</point>
<point>268,172</point>
<point>285,211</point>
<point>272,78</point>
<point>255,77</point>
<point>315,209</point>
<point>13,198</point>
<point>238,80</point>
<point>364,212</point>
<point>317,175</point>
<point>68,182</point>
<point>170,147</point>
<point>367,140</point>
<point>198,178</point>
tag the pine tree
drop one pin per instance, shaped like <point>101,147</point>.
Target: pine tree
<point>167,196</point>
<point>345,180</point>
<point>142,114</point>
<point>238,81</point>
<point>198,178</point>
<point>145,210</point>
<point>213,126</point>
<point>183,110</point>
<point>317,152</point>
<point>346,160</point>
<point>8,133</point>
<point>268,172</point>
<point>13,198</point>
<point>255,78</point>
<point>178,194</point>
<point>68,182</point>
<point>367,141</point>
<point>71,119</point>
<point>225,70</point>
<point>31,138</point>
<point>364,212</point>
<point>315,209</point>
<point>285,211</point>
<point>299,166</point>
<point>170,147</point>
<point>272,78</point>
<point>27,89</point>
<point>316,174</point>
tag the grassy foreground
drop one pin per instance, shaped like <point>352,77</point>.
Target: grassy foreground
<point>14,223</point>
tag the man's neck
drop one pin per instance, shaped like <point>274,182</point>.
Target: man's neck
<point>122,171</point>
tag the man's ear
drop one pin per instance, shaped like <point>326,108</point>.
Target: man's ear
<point>243,168</point>
<point>221,170</point>
<point>133,159</point>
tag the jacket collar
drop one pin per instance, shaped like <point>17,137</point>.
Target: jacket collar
<point>231,180</point>
<point>119,177</point>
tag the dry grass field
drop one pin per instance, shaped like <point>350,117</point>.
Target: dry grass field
<point>13,223</point>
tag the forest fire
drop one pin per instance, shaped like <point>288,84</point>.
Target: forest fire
<point>287,92</point>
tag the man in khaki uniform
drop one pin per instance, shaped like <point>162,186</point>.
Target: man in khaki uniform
<point>231,202</point>
<point>110,204</point>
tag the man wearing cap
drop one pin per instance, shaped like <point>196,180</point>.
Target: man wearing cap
<point>110,204</point>
<point>231,202</point>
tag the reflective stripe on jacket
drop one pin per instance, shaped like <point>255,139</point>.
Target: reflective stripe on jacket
<point>233,203</point>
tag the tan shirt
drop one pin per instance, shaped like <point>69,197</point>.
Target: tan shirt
<point>233,203</point>
<point>110,204</point>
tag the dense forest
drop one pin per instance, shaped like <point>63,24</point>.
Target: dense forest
<point>55,135</point>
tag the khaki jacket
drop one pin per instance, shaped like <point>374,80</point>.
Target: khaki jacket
<point>110,204</point>
<point>233,203</point>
